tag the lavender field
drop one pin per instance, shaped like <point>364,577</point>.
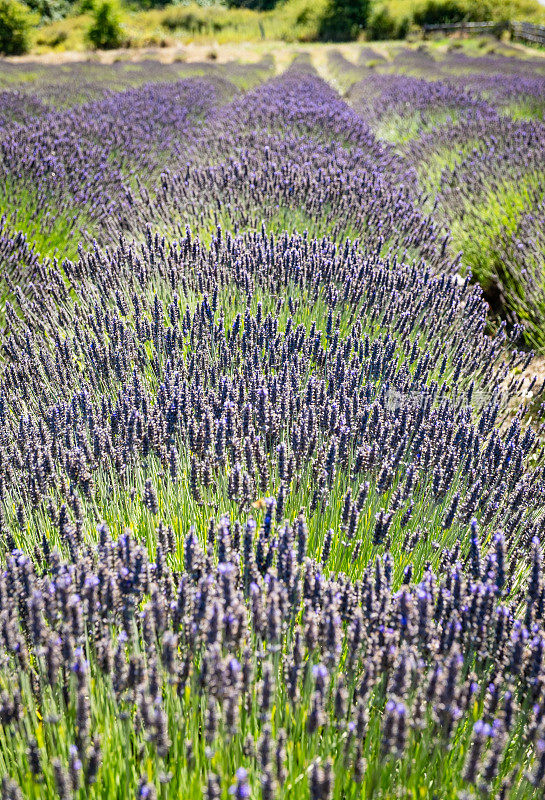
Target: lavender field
<point>272,475</point>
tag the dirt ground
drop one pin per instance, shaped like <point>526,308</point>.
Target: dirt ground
<point>245,52</point>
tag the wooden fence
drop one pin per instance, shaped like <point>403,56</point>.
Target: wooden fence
<point>521,31</point>
<point>526,32</point>
<point>453,27</point>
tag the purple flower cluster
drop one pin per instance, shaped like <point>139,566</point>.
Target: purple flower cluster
<point>97,167</point>
<point>473,128</point>
<point>18,108</point>
<point>81,162</point>
<point>266,399</point>
<point>381,95</point>
<point>385,675</point>
<point>79,82</point>
<point>266,526</point>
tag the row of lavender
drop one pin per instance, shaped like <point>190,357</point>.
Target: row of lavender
<point>110,166</point>
<point>265,530</point>
<point>468,128</point>
<point>257,554</point>
<point>473,128</point>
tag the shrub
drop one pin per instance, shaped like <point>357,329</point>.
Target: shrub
<point>180,19</point>
<point>255,5</point>
<point>382,25</point>
<point>440,12</point>
<point>344,19</point>
<point>15,22</point>
<point>403,28</point>
<point>301,20</point>
<point>105,31</point>
<point>52,38</point>
<point>50,10</point>
<point>147,5</point>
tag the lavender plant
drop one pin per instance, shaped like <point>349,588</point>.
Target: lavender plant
<point>207,474</point>
<point>103,178</point>
<point>267,526</point>
<point>473,128</point>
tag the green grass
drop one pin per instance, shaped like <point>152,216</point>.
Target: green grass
<point>399,128</point>
<point>53,236</point>
<point>481,233</point>
<point>526,108</point>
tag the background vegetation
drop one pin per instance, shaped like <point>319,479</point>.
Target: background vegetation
<point>76,24</point>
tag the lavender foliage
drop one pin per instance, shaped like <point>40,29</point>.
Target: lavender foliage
<point>268,527</point>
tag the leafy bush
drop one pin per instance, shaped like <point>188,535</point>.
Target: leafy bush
<point>344,19</point>
<point>50,10</point>
<point>255,5</point>
<point>148,5</point>
<point>440,12</point>
<point>105,31</point>
<point>301,20</point>
<point>383,25</point>
<point>52,38</point>
<point>15,22</point>
<point>180,19</point>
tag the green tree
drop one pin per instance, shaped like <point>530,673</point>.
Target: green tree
<point>439,12</point>
<point>344,19</point>
<point>15,23</point>
<point>105,31</point>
